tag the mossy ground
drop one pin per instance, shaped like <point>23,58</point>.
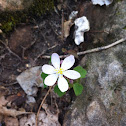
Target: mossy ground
<point>11,19</point>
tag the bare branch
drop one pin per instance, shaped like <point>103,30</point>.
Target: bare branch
<point>102,48</point>
<point>43,53</point>
<point>42,104</point>
<point>10,51</point>
<point>3,56</point>
<point>92,50</point>
<point>62,21</point>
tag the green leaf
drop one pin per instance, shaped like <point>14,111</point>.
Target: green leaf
<point>58,92</point>
<point>78,88</point>
<point>43,76</point>
<point>81,70</point>
<point>45,85</point>
<point>70,85</point>
<point>50,60</point>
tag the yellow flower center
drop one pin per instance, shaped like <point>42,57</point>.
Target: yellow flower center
<point>59,71</point>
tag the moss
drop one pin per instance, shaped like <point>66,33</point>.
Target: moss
<point>11,19</point>
<point>40,7</point>
<point>119,0</point>
<point>124,27</point>
<point>116,1</point>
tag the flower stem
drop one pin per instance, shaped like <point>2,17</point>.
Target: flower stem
<point>41,105</point>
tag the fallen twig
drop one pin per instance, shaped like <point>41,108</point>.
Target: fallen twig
<point>41,105</point>
<point>25,48</point>
<point>43,53</point>
<point>10,84</point>
<point>62,21</point>
<point>39,56</point>
<point>12,112</point>
<point>92,50</point>
<point>10,51</point>
<point>3,56</point>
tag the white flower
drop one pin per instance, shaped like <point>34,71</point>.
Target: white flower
<point>56,72</point>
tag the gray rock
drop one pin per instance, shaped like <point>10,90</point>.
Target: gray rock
<point>95,115</point>
<point>123,121</point>
<point>103,101</point>
<point>30,80</point>
<point>30,100</point>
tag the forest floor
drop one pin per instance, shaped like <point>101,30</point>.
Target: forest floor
<point>23,49</point>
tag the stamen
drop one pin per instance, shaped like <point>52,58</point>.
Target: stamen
<point>59,71</point>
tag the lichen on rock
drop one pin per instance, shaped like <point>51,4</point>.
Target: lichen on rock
<point>81,26</point>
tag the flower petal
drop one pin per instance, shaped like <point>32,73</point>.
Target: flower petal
<point>72,74</point>
<point>48,69</point>
<point>50,80</point>
<point>68,62</point>
<point>62,84</point>
<point>55,60</point>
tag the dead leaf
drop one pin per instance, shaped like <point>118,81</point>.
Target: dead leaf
<point>9,121</point>
<point>1,31</point>
<point>64,50</point>
<point>28,121</point>
<point>1,119</point>
<point>3,91</point>
<point>3,101</point>
<point>9,112</point>
<point>53,117</point>
<point>43,120</point>
<point>73,52</point>
<point>18,99</point>
<point>67,26</point>
<point>12,112</point>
